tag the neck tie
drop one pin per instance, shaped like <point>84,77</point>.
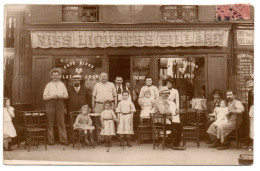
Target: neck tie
<point>119,90</point>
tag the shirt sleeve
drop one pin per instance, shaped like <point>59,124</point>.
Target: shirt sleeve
<point>118,109</point>
<point>11,112</point>
<point>64,91</point>
<point>177,99</point>
<point>77,124</point>
<point>239,107</point>
<point>95,90</point>
<point>113,90</point>
<point>46,90</point>
<point>114,115</point>
<point>156,92</point>
<point>132,107</point>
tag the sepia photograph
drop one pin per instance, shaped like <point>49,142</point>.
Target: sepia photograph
<point>131,84</point>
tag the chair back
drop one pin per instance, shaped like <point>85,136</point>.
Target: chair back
<point>73,117</point>
<point>192,117</point>
<point>157,119</point>
<point>35,118</point>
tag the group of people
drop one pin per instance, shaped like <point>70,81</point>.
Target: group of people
<point>114,104</point>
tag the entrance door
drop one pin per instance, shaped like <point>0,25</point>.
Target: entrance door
<point>40,77</point>
<point>119,66</point>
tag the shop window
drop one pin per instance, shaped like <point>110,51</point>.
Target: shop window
<point>188,75</point>
<point>89,67</point>
<point>10,31</point>
<point>179,13</point>
<point>84,13</point>
<point>141,68</point>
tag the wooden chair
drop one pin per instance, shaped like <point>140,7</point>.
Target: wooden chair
<point>76,134</point>
<point>158,122</point>
<point>35,127</point>
<point>145,129</point>
<point>236,134</point>
<point>191,126</point>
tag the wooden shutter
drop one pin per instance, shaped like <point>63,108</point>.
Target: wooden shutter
<point>40,77</point>
<point>217,72</point>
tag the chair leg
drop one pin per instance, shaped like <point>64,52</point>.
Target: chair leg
<point>198,138</point>
<point>29,144</point>
<point>45,143</point>
<point>78,140</point>
<point>139,136</point>
<point>153,141</point>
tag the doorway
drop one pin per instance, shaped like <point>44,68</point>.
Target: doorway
<point>119,66</point>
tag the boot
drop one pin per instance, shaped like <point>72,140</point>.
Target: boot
<point>109,142</point>
<point>9,147</point>
<point>106,139</point>
<point>128,142</point>
<point>121,142</point>
<point>215,144</point>
<point>91,139</point>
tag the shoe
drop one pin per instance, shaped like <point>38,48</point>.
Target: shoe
<point>223,147</point>
<point>214,145</point>
<point>209,142</point>
<point>128,142</point>
<point>121,143</point>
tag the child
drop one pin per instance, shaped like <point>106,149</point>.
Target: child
<point>84,122</point>
<point>221,114</point>
<point>107,119</point>
<point>125,110</point>
<point>146,105</point>
<point>9,130</point>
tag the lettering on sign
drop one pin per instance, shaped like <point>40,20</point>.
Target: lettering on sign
<point>245,37</point>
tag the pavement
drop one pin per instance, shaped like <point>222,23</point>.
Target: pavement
<point>116,155</point>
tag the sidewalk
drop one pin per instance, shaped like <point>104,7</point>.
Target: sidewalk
<point>136,155</point>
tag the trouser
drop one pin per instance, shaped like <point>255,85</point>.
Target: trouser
<point>55,108</point>
<point>176,129</point>
<point>99,107</point>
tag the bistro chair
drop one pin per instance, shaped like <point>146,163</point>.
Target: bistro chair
<point>158,122</point>
<point>76,134</point>
<point>191,126</point>
<point>236,134</point>
<point>35,127</point>
<point>144,129</point>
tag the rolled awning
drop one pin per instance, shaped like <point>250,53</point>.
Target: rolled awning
<point>131,38</point>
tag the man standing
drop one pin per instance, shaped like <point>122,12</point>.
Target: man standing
<point>210,109</point>
<point>54,93</point>
<point>119,88</point>
<point>102,92</point>
<point>78,95</point>
<point>164,106</point>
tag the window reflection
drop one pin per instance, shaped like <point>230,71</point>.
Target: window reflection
<point>188,76</point>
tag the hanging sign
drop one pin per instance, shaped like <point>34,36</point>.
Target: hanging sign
<point>151,38</point>
<point>245,37</point>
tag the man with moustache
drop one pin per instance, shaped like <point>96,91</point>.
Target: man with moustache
<point>103,91</point>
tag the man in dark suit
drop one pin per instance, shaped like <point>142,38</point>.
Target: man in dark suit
<point>210,108</point>
<point>120,88</point>
<point>78,94</point>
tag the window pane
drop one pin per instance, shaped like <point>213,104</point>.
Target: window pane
<point>188,76</point>
<point>88,67</point>
<point>141,68</point>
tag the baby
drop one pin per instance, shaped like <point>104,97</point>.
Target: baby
<point>147,106</point>
<point>220,113</point>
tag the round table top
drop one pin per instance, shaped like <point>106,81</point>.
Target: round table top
<point>94,114</point>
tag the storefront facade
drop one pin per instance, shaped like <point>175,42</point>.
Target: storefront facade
<point>198,54</point>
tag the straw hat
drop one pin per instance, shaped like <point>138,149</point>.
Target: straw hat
<point>164,89</point>
<point>59,70</point>
<point>76,78</point>
<point>217,91</point>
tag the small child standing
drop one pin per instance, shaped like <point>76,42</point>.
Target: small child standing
<point>107,119</point>
<point>9,130</point>
<point>125,110</point>
<point>146,105</point>
<point>221,113</point>
<point>84,122</point>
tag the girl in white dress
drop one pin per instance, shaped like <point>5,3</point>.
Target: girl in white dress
<point>9,130</point>
<point>221,113</point>
<point>125,110</point>
<point>146,105</point>
<point>107,119</point>
<point>84,122</point>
